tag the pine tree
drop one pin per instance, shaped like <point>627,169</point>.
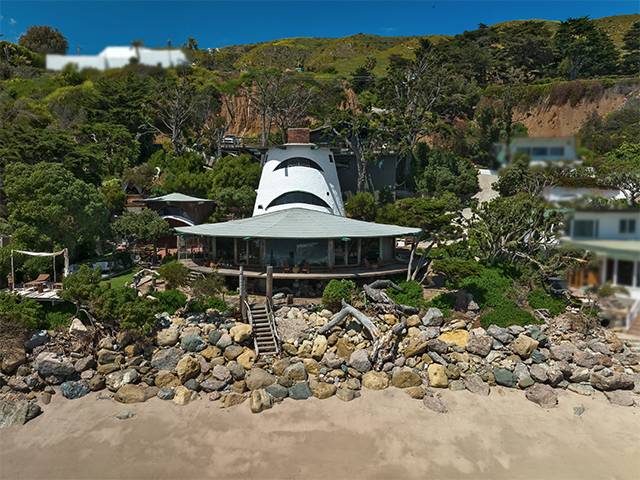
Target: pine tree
<point>631,48</point>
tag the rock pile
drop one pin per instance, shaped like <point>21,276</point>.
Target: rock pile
<point>213,357</point>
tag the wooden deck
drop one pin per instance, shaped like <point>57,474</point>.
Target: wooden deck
<point>47,295</point>
<point>337,273</point>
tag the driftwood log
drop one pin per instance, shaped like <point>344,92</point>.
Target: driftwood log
<point>360,317</point>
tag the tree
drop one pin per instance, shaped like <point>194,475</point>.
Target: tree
<point>620,126</point>
<point>585,50</point>
<point>114,195</point>
<point>111,146</point>
<point>147,226</point>
<point>82,286</point>
<point>297,96</point>
<point>208,286</point>
<point>175,273</point>
<point>51,209</point>
<point>44,39</point>
<point>518,177</point>
<point>631,49</point>
<point>437,217</point>
<point>446,172</point>
<point>265,91</point>
<point>621,169</point>
<point>363,78</point>
<point>362,206</point>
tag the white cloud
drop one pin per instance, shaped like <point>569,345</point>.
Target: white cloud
<point>12,21</point>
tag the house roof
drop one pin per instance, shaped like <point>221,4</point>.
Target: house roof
<point>627,249</point>
<point>298,223</point>
<point>177,197</point>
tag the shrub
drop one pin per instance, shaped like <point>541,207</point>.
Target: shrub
<point>538,298</point>
<point>491,288</point>
<point>201,305</point>
<point>81,286</point>
<point>175,274</point>
<point>456,269</point>
<point>507,314</point>
<point>410,294</point>
<point>20,311</point>
<point>54,320</point>
<point>336,291</point>
<point>208,286</point>
<point>138,316</point>
<point>170,301</point>
<point>445,302</point>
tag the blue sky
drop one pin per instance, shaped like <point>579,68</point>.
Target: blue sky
<point>91,25</point>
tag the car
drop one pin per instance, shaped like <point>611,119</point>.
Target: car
<point>230,140</point>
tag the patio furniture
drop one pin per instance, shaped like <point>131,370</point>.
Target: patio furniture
<point>40,280</point>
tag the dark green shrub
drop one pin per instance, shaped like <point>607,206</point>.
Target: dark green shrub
<point>138,316</point>
<point>175,274</point>
<point>456,269</point>
<point>23,312</point>
<point>508,313</point>
<point>490,288</point>
<point>410,294</point>
<point>56,319</point>
<point>336,291</point>
<point>201,305</point>
<point>170,301</point>
<point>445,302</point>
<point>208,286</point>
<point>538,298</point>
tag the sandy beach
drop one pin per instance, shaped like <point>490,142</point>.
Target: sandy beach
<point>383,434</point>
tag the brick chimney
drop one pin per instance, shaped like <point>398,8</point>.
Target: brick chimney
<point>298,135</point>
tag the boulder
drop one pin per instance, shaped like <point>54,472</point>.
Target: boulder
<point>295,372</point>
<point>415,346</point>
<point>405,378</point>
<point>346,394</point>
<point>504,377</point>
<point>192,343</point>
<point>524,346</point>
<point>584,358</point>
<point>322,390</point>
<point>433,318</point>
<point>543,395</point>
<point>259,400</point>
<point>319,347</point>
<point>212,385</point>
<point>167,337</point>
<point>457,337</point>
<point>222,373</point>
<point>117,379</point>
<point>188,367</point>
<point>224,341</point>
<point>97,382</point>
<point>415,392</point>
<point>344,348</point>
<point>437,376</point>
<point>300,391</point>
<point>49,364</point>
<point>246,359</point>
<point>562,352</point>
<point>538,373</point>
<point>475,384</point>
<point>479,344</point>
<point>375,380</point>
<point>130,394</point>
<point>258,378</point>
<point>622,398</point>
<point>19,412</point>
<point>501,334</point>
<point>359,360</point>
<point>232,399</point>
<point>182,395</point>
<point>73,390</point>
<point>84,363</point>
<point>616,381</point>
<point>11,358</point>
<point>166,359</point>
<point>214,336</point>
<point>233,351</point>
<point>166,379</point>
<point>277,391</point>
<point>240,332</point>
<point>37,339</point>
<point>77,328</point>
<point>210,353</point>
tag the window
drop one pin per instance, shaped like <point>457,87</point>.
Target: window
<point>585,229</point>
<point>299,162</point>
<point>539,152</point>
<point>556,151</point>
<point>299,197</point>
<point>610,270</point>
<point>625,273</point>
<point>627,225</point>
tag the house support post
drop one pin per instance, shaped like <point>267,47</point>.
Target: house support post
<point>359,251</point>
<point>269,285</point>
<point>331,254</point>
<point>242,287</point>
<point>235,251</point>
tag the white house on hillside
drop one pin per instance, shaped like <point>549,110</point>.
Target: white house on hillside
<point>540,150</point>
<point>117,57</point>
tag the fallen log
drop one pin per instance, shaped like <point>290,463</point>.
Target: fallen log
<point>360,317</point>
<point>382,284</point>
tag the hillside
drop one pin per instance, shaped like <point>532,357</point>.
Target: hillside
<point>343,55</point>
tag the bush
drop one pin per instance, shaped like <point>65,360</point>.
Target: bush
<point>201,305</point>
<point>81,286</point>
<point>456,269</point>
<point>336,291</point>
<point>23,312</point>
<point>169,301</point>
<point>507,314</point>
<point>175,274</point>
<point>410,294</point>
<point>138,316</point>
<point>491,288</point>
<point>538,298</point>
<point>445,302</point>
<point>208,286</point>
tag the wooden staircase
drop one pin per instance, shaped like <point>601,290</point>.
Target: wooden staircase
<point>265,335</point>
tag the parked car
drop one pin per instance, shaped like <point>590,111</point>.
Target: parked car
<point>231,141</point>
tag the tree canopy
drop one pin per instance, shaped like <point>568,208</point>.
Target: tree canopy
<point>44,39</point>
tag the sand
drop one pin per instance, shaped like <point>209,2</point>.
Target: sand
<point>381,435</point>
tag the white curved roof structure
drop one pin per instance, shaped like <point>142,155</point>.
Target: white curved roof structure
<point>299,175</point>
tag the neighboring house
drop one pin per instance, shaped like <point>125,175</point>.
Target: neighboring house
<point>117,57</point>
<point>559,195</point>
<point>540,150</point>
<point>614,236</point>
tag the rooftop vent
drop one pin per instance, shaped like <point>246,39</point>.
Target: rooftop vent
<point>298,135</point>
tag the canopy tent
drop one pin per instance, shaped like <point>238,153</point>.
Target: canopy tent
<point>64,252</point>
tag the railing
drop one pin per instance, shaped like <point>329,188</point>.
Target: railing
<point>632,314</point>
<point>250,318</point>
<point>272,323</point>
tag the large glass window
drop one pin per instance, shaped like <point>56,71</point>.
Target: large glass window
<point>556,151</point>
<point>539,152</point>
<point>289,253</point>
<point>224,249</point>
<point>625,273</point>
<point>585,229</point>
<point>627,225</point>
<point>299,162</point>
<point>299,197</point>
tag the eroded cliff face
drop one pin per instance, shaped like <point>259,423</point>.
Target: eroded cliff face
<point>549,119</point>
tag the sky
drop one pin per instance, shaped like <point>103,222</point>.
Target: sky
<point>90,25</point>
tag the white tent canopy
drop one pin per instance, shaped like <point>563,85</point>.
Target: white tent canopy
<point>64,252</point>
